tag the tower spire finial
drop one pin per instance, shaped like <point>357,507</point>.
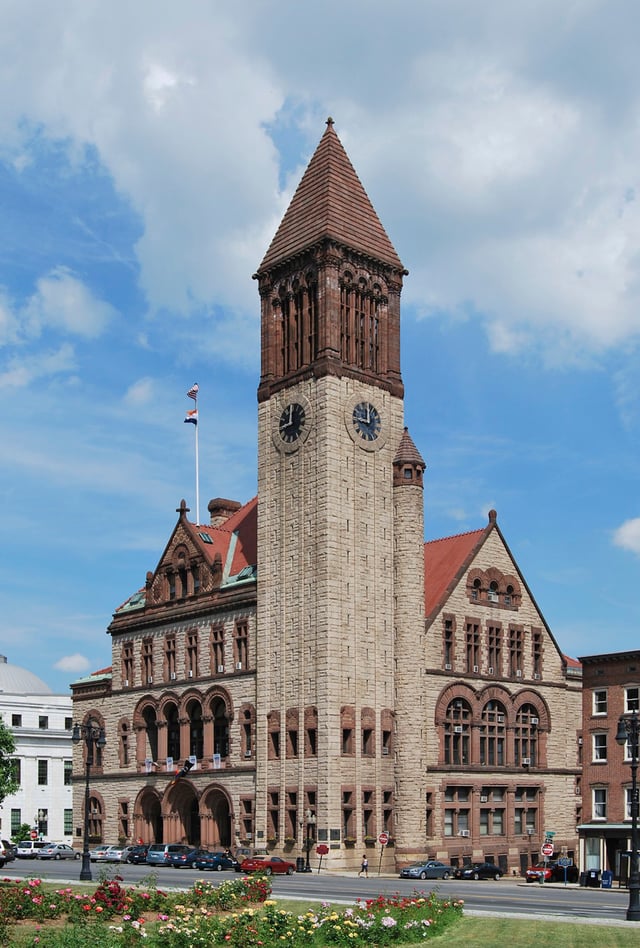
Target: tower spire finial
<point>329,121</point>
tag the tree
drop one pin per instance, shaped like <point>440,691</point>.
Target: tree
<point>8,781</point>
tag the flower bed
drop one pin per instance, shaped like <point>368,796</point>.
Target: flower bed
<point>208,915</point>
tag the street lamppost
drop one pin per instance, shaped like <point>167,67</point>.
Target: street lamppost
<point>311,822</point>
<point>628,732</point>
<point>93,736</point>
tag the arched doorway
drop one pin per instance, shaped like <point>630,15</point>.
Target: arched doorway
<point>148,818</point>
<point>215,812</point>
<point>182,815</point>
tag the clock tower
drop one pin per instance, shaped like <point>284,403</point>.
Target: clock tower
<point>333,457</point>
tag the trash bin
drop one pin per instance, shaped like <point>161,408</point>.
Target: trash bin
<point>607,878</point>
<point>300,864</point>
<point>593,878</point>
<point>583,878</point>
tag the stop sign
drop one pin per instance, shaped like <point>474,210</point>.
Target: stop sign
<point>322,849</point>
<point>383,839</point>
<point>34,835</point>
<point>547,849</point>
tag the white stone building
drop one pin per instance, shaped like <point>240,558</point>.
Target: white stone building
<point>40,722</point>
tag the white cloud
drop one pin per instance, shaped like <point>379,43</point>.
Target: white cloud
<point>140,393</point>
<point>21,372</point>
<point>72,663</point>
<point>64,303</point>
<point>627,536</point>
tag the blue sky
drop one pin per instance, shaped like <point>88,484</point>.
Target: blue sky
<point>147,154</point>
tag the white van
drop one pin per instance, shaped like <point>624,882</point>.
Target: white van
<point>28,848</point>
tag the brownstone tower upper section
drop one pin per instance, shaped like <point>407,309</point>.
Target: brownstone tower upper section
<point>330,283</point>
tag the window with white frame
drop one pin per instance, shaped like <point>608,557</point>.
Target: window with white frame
<point>632,699</point>
<point>600,701</point>
<point>599,747</point>
<point>628,800</point>
<point>599,803</point>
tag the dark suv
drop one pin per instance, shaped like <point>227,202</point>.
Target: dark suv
<point>7,851</point>
<point>161,854</point>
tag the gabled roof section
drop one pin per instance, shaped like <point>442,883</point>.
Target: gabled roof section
<point>330,203</point>
<point>228,553</point>
<point>444,562</point>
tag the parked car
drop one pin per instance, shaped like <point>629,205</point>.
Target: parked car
<point>96,854</point>
<point>267,865</point>
<point>160,854</point>
<point>479,870</point>
<point>8,851</point>
<point>111,854</point>
<point>135,854</point>
<point>214,861</point>
<point>551,872</point>
<point>138,854</point>
<point>28,848</point>
<point>58,851</point>
<point>432,869</point>
<point>186,860</point>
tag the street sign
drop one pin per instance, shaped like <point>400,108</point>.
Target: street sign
<point>547,849</point>
<point>34,835</point>
<point>322,849</point>
<point>383,839</point>
<point>565,861</point>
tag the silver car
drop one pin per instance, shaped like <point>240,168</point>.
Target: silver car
<point>58,851</point>
<point>432,869</point>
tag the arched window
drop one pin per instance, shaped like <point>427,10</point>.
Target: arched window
<point>196,734</point>
<point>526,736</point>
<point>96,818</point>
<point>457,732</point>
<point>151,727</point>
<point>492,735</point>
<point>220,728</point>
<point>173,731</point>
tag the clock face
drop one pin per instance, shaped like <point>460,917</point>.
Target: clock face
<point>292,422</point>
<point>366,421</point>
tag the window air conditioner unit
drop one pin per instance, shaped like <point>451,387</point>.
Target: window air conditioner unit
<point>518,673</point>
<point>458,729</point>
<point>490,671</point>
<point>530,831</point>
<point>580,741</point>
<point>190,673</point>
<point>500,718</point>
<point>385,751</point>
<point>464,833</point>
<point>492,596</point>
<point>220,669</point>
<point>484,799</point>
<point>238,666</point>
<point>535,720</point>
<point>447,666</point>
<point>526,761</point>
<point>476,669</point>
<point>126,683</point>
<point>150,680</point>
<point>537,676</point>
<point>172,676</point>
<point>247,753</point>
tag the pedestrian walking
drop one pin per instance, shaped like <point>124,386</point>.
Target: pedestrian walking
<point>364,868</point>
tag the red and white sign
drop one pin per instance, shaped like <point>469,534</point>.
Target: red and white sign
<point>322,849</point>
<point>34,835</point>
<point>383,839</point>
<point>547,849</point>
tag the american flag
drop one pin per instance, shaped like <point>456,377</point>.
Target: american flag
<point>193,391</point>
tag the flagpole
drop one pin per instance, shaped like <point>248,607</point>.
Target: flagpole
<point>197,472</point>
<point>192,416</point>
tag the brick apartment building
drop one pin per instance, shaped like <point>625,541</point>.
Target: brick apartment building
<point>611,688</point>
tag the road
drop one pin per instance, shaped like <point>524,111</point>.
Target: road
<point>508,896</point>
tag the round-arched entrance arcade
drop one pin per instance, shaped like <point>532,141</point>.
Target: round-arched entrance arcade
<point>180,817</point>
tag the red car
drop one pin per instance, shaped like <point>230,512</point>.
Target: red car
<point>267,864</point>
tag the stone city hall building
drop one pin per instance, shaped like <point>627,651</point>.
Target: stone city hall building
<point>329,675</point>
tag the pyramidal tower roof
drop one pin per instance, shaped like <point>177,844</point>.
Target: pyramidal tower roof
<point>330,203</point>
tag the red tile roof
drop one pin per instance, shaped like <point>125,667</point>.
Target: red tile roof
<point>443,562</point>
<point>330,202</point>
